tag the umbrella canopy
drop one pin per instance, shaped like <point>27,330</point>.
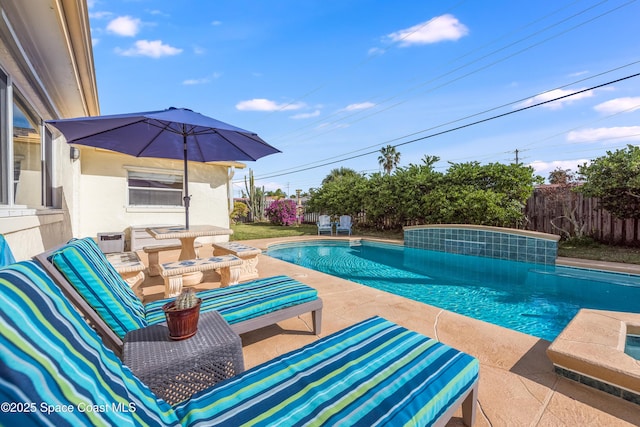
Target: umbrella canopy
<point>175,133</point>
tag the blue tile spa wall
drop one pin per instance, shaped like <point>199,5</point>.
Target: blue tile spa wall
<point>493,242</point>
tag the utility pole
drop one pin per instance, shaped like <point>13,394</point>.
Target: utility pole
<point>517,159</point>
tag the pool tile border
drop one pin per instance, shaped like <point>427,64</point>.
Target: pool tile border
<point>590,350</point>
<point>597,384</point>
<point>492,242</point>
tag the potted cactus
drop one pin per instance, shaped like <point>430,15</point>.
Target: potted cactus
<point>182,315</point>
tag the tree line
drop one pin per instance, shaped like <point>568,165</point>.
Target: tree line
<point>472,193</point>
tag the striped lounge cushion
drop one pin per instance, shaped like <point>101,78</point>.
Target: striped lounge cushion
<point>55,370</point>
<point>373,373</point>
<point>87,269</point>
<point>53,366</point>
<point>245,301</point>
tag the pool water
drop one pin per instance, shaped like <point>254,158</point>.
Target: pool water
<point>632,346</point>
<point>536,299</point>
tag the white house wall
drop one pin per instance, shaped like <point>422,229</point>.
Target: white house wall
<point>103,192</point>
<point>45,49</point>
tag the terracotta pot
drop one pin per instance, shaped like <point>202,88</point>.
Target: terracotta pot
<point>182,324</point>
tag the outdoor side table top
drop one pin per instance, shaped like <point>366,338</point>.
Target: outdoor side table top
<point>175,370</point>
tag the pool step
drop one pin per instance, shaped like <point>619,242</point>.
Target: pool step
<point>592,275</point>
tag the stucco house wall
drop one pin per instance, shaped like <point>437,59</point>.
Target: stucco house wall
<point>45,54</point>
<point>103,194</point>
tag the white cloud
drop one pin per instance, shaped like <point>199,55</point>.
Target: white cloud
<point>190,82</point>
<point>374,51</point>
<point>556,105</point>
<point>153,48</point>
<point>124,26</point>
<point>94,41</point>
<point>359,106</point>
<point>618,105</point>
<point>100,15</point>
<point>578,74</point>
<point>629,133</point>
<point>315,113</point>
<point>158,13</point>
<point>440,28</point>
<point>543,168</point>
<point>216,23</point>
<point>272,186</point>
<point>202,80</point>
<point>261,104</point>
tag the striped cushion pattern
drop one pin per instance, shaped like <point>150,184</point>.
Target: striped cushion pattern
<point>245,301</point>
<point>51,359</point>
<point>373,373</point>
<point>87,269</point>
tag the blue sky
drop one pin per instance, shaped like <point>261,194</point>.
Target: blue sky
<point>329,81</point>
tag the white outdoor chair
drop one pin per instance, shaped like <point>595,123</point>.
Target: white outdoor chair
<point>344,225</point>
<point>324,224</point>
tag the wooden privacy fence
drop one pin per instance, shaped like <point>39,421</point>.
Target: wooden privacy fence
<point>542,211</point>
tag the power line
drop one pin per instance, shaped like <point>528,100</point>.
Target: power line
<point>365,61</point>
<point>448,73</point>
<point>477,122</point>
<point>294,168</point>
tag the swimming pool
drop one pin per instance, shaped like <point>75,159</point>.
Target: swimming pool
<point>536,299</point>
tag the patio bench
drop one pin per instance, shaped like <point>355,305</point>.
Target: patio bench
<point>173,272</point>
<point>129,266</point>
<point>153,254</point>
<point>248,254</point>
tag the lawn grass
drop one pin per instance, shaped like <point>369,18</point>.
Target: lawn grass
<point>585,249</point>
<point>599,252</point>
<point>265,230</point>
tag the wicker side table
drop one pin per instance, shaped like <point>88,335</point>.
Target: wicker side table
<point>175,370</point>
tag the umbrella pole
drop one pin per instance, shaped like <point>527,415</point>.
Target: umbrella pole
<point>187,197</point>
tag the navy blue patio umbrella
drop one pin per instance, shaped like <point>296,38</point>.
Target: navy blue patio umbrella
<point>175,133</point>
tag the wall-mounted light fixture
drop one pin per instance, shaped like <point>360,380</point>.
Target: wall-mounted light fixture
<point>74,153</point>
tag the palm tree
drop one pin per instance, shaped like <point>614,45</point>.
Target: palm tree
<point>338,173</point>
<point>389,158</point>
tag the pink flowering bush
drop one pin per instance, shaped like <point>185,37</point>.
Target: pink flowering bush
<point>282,212</point>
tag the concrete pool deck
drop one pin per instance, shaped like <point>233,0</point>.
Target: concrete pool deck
<point>518,385</point>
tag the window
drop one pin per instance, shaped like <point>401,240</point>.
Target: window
<point>4,146</point>
<point>26,153</point>
<point>47,178</point>
<point>154,188</point>
<point>27,157</point>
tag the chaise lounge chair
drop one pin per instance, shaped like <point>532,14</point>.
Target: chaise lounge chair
<point>324,224</point>
<point>90,282</point>
<point>344,225</point>
<point>55,370</point>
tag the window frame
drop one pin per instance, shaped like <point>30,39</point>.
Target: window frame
<point>153,171</point>
<point>9,97</point>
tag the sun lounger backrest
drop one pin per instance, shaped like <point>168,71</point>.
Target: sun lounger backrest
<point>55,366</point>
<point>6,256</point>
<point>87,269</point>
